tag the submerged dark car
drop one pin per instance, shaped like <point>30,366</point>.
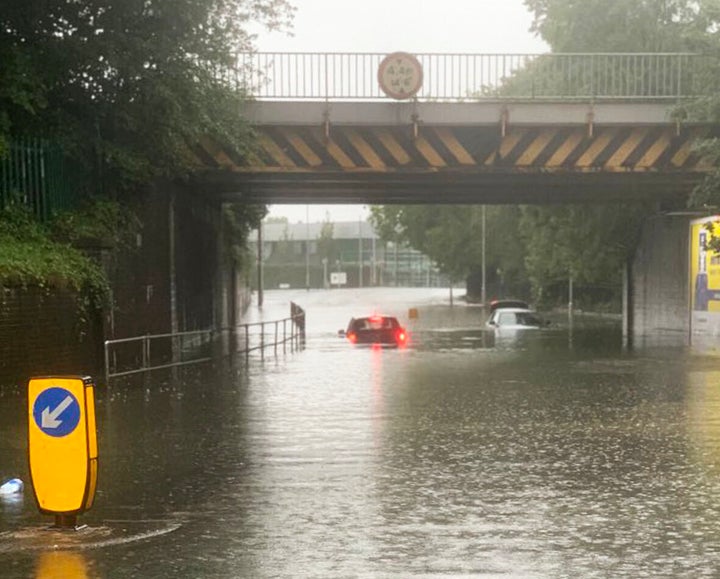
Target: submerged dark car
<point>383,330</point>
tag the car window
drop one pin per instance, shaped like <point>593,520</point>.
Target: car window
<point>528,319</point>
<point>374,323</point>
<point>506,318</point>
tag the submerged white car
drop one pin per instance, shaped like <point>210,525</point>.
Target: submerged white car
<point>515,319</point>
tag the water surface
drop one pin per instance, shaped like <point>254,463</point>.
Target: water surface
<point>543,454</point>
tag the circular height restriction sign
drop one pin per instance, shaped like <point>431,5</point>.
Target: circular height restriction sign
<point>400,75</point>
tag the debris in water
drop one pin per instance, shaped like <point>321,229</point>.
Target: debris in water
<point>12,487</point>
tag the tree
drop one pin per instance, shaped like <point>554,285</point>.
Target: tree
<point>440,232</point>
<point>592,243</point>
<point>127,87</point>
<point>588,243</point>
<point>618,25</point>
<point>327,248</point>
<point>451,235</point>
<point>547,244</point>
<point>706,109</point>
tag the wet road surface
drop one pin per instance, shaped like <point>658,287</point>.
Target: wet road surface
<point>545,454</point>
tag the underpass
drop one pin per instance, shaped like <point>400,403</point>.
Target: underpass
<point>580,132</point>
<point>480,129</point>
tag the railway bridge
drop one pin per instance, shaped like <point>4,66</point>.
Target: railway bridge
<point>480,129</point>
<point>466,129</point>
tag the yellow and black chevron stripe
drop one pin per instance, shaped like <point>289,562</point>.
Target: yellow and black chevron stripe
<point>380,149</point>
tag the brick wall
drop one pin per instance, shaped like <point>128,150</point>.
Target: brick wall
<point>43,333</point>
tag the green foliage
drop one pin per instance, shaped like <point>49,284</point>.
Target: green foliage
<point>542,245</point>
<point>238,221</point>
<point>618,25</point>
<point>441,232</point>
<point>605,28</point>
<point>590,243</point>
<point>326,245</point>
<point>98,221</point>
<point>548,244</point>
<point>128,87</point>
<point>706,196</point>
<point>452,237</point>
<point>30,256</point>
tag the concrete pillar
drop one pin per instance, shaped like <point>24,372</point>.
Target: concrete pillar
<point>658,294</point>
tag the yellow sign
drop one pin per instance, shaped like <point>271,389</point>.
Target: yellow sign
<point>61,565</point>
<point>62,443</point>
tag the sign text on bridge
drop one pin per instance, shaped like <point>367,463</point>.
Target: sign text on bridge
<point>400,75</point>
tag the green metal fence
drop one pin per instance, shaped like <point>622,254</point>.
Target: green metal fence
<point>35,173</point>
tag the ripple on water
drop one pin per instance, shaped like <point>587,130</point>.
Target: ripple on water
<point>44,538</point>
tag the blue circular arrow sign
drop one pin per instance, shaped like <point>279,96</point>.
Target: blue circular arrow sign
<point>56,411</point>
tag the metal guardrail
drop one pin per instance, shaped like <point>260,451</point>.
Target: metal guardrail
<point>161,351</point>
<point>154,358</point>
<point>468,77</point>
<point>255,332</point>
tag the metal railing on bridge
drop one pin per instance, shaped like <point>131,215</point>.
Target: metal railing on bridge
<point>468,77</point>
<point>140,354</point>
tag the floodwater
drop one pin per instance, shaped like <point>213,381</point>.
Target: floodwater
<point>539,455</point>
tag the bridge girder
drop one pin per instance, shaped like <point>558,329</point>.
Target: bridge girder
<point>440,188</point>
<point>431,160</point>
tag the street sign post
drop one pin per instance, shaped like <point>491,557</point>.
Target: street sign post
<point>62,445</point>
<point>338,278</point>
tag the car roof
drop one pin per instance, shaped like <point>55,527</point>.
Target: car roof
<point>516,310</point>
<point>509,303</point>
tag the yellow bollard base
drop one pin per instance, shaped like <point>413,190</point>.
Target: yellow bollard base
<point>67,523</point>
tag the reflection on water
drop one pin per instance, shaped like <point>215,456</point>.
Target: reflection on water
<point>542,455</point>
<point>61,565</point>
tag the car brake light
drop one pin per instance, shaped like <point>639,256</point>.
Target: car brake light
<point>352,336</point>
<point>401,336</point>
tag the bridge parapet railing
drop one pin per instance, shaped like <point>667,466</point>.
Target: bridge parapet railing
<point>469,77</point>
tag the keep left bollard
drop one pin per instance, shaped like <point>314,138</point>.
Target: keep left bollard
<point>62,446</point>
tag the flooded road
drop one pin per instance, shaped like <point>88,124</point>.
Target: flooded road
<point>546,454</point>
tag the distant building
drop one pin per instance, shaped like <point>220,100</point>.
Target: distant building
<point>344,253</point>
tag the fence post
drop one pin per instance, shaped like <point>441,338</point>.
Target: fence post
<point>276,337</point>
<point>262,340</point>
<point>107,363</point>
<point>146,351</point>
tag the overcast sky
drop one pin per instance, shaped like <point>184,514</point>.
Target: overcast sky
<point>468,26</point>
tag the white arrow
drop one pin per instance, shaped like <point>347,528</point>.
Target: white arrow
<point>50,419</point>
